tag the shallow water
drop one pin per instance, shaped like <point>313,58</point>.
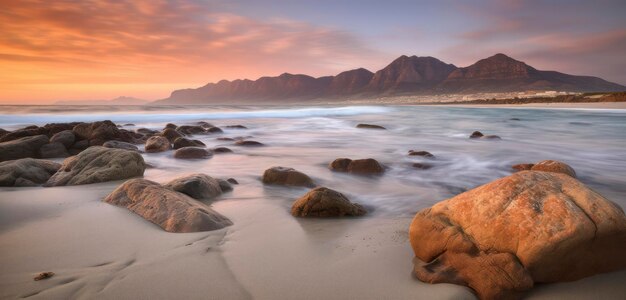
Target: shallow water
<point>308,138</point>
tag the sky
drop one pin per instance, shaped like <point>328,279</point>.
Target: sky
<point>98,49</point>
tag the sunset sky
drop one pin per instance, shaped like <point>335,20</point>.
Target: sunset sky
<point>70,50</point>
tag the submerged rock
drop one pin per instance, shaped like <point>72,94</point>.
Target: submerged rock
<point>193,153</point>
<point>214,130</point>
<point>98,164</point>
<point>221,150</point>
<point>529,227</point>
<point>368,166</point>
<point>422,166</point>
<point>370,126</point>
<point>324,202</point>
<point>236,127</point>
<point>225,185</point>
<point>286,176</point>
<point>23,147</point>
<point>480,135</point>
<point>171,210</point>
<point>26,172</point>
<point>421,153</point>
<point>189,129</point>
<point>197,186</point>
<point>249,143</point>
<point>185,142</point>
<point>157,144</point>
<point>170,134</point>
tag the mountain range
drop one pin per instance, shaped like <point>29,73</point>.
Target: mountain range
<point>406,75</point>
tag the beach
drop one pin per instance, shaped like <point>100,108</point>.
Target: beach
<point>101,251</point>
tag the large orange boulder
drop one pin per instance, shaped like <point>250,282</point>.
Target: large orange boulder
<point>529,227</point>
<point>554,166</point>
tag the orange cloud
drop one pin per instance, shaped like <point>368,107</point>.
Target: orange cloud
<point>51,50</point>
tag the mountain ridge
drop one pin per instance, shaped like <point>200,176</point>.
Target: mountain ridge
<point>406,75</point>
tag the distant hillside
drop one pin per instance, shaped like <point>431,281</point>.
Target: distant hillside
<point>406,75</point>
<point>117,101</point>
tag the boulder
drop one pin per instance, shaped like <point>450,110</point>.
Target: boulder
<point>81,145</point>
<point>554,166</point>
<point>23,147</point>
<point>53,150</point>
<point>249,143</point>
<point>185,142</point>
<point>171,210</point>
<point>370,126</point>
<point>214,130</point>
<point>26,172</point>
<point>23,132</point>
<point>170,126</point>
<point>3,132</point>
<point>222,150</point>
<point>421,153</point>
<point>147,132</point>
<point>120,145</point>
<point>99,132</point>
<point>157,144</point>
<point>190,129</point>
<point>324,202</point>
<point>54,128</point>
<point>192,153</point>
<point>205,124</point>
<point>65,137</point>
<point>366,166</point>
<point>286,176</point>
<point>98,164</point>
<point>170,134</point>
<point>225,185</point>
<point>197,186</point>
<point>500,238</point>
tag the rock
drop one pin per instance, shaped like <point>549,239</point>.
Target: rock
<point>528,227</point>
<point>23,147</point>
<point>340,164</point>
<point>236,127</point>
<point>53,150</point>
<point>192,152</point>
<point>324,202</point>
<point>170,134</point>
<point>555,167</point>
<point>189,129</point>
<point>222,150</point>
<point>366,166</point>
<point>225,185</point>
<point>480,135</point>
<point>522,167</point>
<point>21,133</point>
<point>54,128</point>
<point>129,124</point>
<point>214,130</point>
<point>157,144</point>
<point>205,124</point>
<point>99,132</point>
<point>170,126</point>
<point>476,135</point>
<point>26,172</point>
<point>120,145</point>
<point>421,153</point>
<point>147,132</point>
<point>171,210</point>
<point>286,176</point>
<point>98,164</point>
<point>249,143</point>
<point>225,139</point>
<point>3,132</point>
<point>232,180</point>
<point>65,137</point>
<point>43,275</point>
<point>422,166</point>
<point>185,142</point>
<point>370,126</point>
<point>515,119</point>
<point>81,145</point>
<point>197,186</point>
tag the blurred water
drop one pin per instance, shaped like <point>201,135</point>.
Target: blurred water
<point>308,138</point>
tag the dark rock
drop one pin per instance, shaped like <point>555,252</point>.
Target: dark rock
<point>129,124</point>
<point>192,153</point>
<point>23,147</point>
<point>98,164</point>
<point>65,137</point>
<point>476,135</point>
<point>171,210</point>
<point>479,135</point>
<point>366,166</point>
<point>286,176</point>
<point>54,128</point>
<point>43,275</point>
<point>188,129</point>
<point>170,134</point>
<point>214,130</point>
<point>53,150</point>
<point>370,126</point>
<point>170,126</point>
<point>205,124</point>
<point>236,127</point>
<point>249,143</point>
<point>97,133</point>
<point>225,185</point>
<point>157,144</point>
<point>24,132</point>
<point>26,172</point>
<point>185,142</point>
<point>146,131</point>
<point>324,202</point>
<point>421,153</point>
<point>225,139</point>
<point>340,164</point>
<point>232,180</point>
<point>197,186</point>
<point>222,150</point>
<point>422,166</point>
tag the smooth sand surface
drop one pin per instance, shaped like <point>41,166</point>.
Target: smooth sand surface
<point>99,251</point>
